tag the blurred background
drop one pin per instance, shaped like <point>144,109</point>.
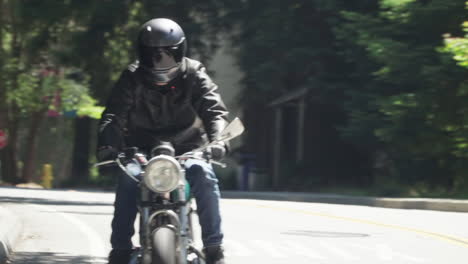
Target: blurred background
<point>365,97</point>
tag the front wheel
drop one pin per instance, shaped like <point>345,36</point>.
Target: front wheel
<point>164,246</point>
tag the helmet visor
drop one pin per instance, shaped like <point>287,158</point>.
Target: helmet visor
<point>159,59</point>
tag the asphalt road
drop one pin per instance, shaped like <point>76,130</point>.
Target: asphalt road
<point>66,226</point>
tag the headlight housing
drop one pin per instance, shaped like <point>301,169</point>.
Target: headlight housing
<point>162,174</point>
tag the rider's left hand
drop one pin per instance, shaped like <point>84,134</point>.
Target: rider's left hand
<point>218,151</point>
<point>106,153</point>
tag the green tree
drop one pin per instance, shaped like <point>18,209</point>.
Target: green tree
<point>383,94</point>
<point>31,76</point>
<point>412,102</point>
<point>459,46</point>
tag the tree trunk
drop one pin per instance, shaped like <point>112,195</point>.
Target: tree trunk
<point>81,148</point>
<point>4,162</point>
<point>31,146</point>
<point>10,110</point>
<point>10,153</point>
<point>9,156</point>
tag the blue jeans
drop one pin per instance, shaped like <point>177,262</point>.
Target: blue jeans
<point>204,185</point>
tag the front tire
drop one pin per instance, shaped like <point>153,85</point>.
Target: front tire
<point>164,246</point>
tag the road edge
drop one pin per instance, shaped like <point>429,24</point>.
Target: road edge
<point>10,230</point>
<point>450,205</point>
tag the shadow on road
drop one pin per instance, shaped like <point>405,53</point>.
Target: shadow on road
<point>50,257</point>
<point>26,200</point>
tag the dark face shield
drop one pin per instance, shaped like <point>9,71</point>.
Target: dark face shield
<point>162,60</point>
<point>160,63</point>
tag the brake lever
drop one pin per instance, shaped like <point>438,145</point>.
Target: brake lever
<point>207,156</point>
<point>104,163</point>
<point>221,164</point>
<point>120,164</point>
<point>107,162</point>
<point>203,157</point>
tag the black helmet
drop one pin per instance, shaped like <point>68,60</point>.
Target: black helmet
<point>161,47</point>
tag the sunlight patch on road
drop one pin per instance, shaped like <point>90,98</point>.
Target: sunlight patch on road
<point>447,238</point>
<point>385,253</point>
<point>96,247</point>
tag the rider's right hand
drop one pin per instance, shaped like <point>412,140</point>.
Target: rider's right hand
<point>107,153</point>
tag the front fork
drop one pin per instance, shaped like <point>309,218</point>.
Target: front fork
<point>145,232</point>
<point>180,221</point>
<point>184,233</point>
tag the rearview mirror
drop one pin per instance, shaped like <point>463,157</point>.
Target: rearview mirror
<point>232,130</point>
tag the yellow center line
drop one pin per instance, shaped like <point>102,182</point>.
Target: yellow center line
<point>451,239</point>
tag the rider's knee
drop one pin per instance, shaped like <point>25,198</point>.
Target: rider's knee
<point>201,175</point>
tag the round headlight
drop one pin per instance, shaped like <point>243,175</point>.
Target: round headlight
<point>162,174</point>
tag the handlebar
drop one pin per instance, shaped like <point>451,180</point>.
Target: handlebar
<point>189,155</point>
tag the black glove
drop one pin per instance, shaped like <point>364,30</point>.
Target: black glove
<point>107,153</point>
<point>217,151</point>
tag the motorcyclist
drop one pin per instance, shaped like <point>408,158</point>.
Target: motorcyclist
<point>164,96</point>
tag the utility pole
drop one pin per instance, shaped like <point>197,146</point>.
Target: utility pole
<point>300,129</point>
<point>277,146</point>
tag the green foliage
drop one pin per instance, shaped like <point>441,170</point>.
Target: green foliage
<point>379,64</point>
<point>75,97</point>
<point>458,46</point>
<point>37,93</point>
<point>31,41</point>
<point>91,111</point>
<point>26,96</point>
<point>395,5</point>
<point>417,93</point>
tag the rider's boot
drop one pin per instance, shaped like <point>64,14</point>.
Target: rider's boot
<point>214,255</point>
<point>120,256</point>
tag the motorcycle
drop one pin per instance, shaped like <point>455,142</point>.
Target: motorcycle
<point>165,202</point>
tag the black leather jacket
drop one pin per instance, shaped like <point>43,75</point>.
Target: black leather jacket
<point>188,112</point>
